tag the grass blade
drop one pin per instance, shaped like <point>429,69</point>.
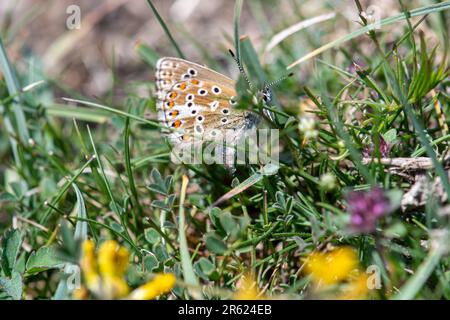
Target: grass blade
<point>116,111</point>
<point>14,89</point>
<point>384,22</point>
<point>81,226</point>
<point>236,22</point>
<point>255,178</point>
<point>188,270</point>
<point>280,36</point>
<point>166,29</point>
<point>414,284</point>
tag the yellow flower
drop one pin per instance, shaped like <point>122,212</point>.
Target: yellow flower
<point>162,283</point>
<point>248,289</point>
<point>89,266</point>
<point>113,263</point>
<point>112,259</point>
<point>81,293</point>
<point>356,289</point>
<point>105,274</point>
<point>332,267</point>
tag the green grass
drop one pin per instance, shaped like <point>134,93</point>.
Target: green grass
<point>75,168</point>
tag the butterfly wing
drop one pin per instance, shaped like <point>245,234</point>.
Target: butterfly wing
<point>193,100</point>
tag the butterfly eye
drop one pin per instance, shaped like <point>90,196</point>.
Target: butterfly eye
<point>216,89</point>
<point>202,92</point>
<point>267,96</point>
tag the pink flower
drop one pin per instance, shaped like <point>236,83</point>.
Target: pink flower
<point>384,147</point>
<point>366,207</point>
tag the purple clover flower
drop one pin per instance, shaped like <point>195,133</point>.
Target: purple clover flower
<point>366,207</point>
<point>385,148</point>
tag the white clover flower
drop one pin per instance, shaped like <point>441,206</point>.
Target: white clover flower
<point>328,181</point>
<point>307,127</point>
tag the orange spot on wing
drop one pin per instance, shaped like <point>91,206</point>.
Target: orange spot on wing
<point>195,81</point>
<point>183,85</point>
<point>173,95</point>
<point>176,124</point>
<point>170,104</point>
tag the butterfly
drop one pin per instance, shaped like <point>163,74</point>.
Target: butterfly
<point>196,103</point>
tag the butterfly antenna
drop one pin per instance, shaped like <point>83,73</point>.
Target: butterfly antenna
<point>271,84</point>
<point>241,69</point>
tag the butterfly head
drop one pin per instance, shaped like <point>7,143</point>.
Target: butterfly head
<point>265,95</point>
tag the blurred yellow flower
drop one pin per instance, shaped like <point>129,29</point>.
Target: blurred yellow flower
<point>89,266</point>
<point>112,259</point>
<point>162,283</point>
<point>113,264</point>
<point>81,293</point>
<point>356,289</point>
<point>104,274</point>
<point>247,289</point>
<point>331,267</point>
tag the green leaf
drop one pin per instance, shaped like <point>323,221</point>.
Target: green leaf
<point>12,286</point>
<point>159,185</point>
<point>43,259</point>
<point>397,230</point>
<point>390,136</point>
<point>160,205</point>
<point>5,196</point>
<point>214,215</point>
<point>229,224</point>
<point>215,244</point>
<point>205,268</point>
<point>160,252</point>
<point>150,262</point>
<point>152,236</point>
<point>117,227</point>
<point>11,246</point>
<point>81,226</point>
